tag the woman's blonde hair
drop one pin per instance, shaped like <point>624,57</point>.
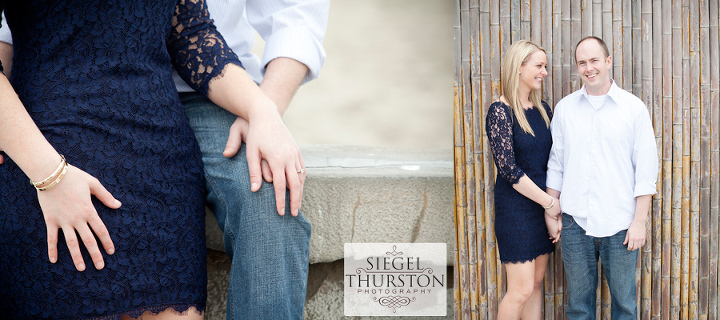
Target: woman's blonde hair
<point>517,55</point>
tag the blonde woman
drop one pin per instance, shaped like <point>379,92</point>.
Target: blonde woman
<point>517,127</point>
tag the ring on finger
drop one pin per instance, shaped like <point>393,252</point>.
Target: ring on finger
<point>301,171</point>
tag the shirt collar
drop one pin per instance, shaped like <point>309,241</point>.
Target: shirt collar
<point>612,93</point>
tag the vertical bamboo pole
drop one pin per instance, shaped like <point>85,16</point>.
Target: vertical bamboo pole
<point>654,11</point>
<point>474,158</point>
<point>551,307</point>
<point>682,94</point>
<point>536,20</point>
<point>617,43</point>
<point>586,18</point>
<point>627,45</point>
<point>462,306</point>
<point>514,12</point>
<point>642,68</point>
<point>714,57</point>
<point>487,209</point>
<point>670,274</point>
<point>557,51</point>
<point>565,43</point>
<point>633,48</point>
<point>457,143</point>
<point>704,161</point>
<point>491,250</point>
<point>524,20</point>
<point>607,30</point>
<point>546,42</point>
<point>575,36</point>
<point>597,18</point>
<point>679,220</point>
<point>692,132</point>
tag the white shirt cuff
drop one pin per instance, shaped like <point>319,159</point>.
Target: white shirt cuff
<point>298,44</point>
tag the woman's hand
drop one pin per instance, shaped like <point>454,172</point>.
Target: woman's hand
<point>554,212</point>
<point>68,206</point>
<point>554,226</point>
<point>269,139</point>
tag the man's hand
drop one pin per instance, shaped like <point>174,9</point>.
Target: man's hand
<point>238,134</point>
<point>554,226</point>
<point>635,236</point>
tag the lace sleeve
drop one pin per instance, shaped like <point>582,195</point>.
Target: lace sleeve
<point>498,126</point>
<point>198,51</point>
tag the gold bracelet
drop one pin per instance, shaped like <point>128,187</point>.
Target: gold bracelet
<point>54,174</point>
<point>552,204</point>
<point>59,177</point>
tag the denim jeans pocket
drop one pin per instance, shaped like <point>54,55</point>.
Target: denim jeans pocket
<point>567,221</point>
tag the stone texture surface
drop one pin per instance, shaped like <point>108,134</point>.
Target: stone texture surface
<point>324,298</point>
<point>357,194</point>
<point>361,194</point>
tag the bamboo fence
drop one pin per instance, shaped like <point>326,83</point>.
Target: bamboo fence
<point>665,52</point>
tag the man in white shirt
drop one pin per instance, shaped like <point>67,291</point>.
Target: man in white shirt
<point>603,168</point>
<point>266,240</point>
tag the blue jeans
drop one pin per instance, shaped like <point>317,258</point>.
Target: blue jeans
<point>269,252</point>
<point>580,255</point>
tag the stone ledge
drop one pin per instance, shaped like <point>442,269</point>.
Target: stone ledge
<point>361,194</point>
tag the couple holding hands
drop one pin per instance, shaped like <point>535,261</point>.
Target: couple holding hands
<point>586,171</point>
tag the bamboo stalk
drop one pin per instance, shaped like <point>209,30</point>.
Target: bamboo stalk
<point>670,293</point>
<point>524,20</point>
<point>514,12</point>
<point>494,267</point>
<point>643,78</point>
<point>659,290</point>
<point>597,18</point>
<point>617,43</point>
<point>714,80</point>
<point>607,28</point>
<point>565,43</point>
<point>682,92</point>
<point>536,20</point>
<point>557,51</point>
<point>704,155</point>
<point>473,149</point>
<point>587,18</point>
<point>487,204</point>
<point>546,42</point>
<point>575,36</point>
<point>693,139</point>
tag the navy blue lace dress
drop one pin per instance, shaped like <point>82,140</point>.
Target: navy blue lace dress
<point>96,77</point>
<point>519,222</point>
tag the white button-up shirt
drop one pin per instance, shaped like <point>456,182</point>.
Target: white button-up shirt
<point>602,159</point>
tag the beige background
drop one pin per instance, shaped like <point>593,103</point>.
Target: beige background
<point>387,80</point>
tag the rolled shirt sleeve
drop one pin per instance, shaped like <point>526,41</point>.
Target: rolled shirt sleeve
<point>554,178</point>
<point>292,29</point>
<point>645,158</point>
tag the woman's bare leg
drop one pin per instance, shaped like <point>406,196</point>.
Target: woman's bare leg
<point>534,304</point>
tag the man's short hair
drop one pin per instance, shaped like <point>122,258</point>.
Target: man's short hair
<point>600,41</point>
